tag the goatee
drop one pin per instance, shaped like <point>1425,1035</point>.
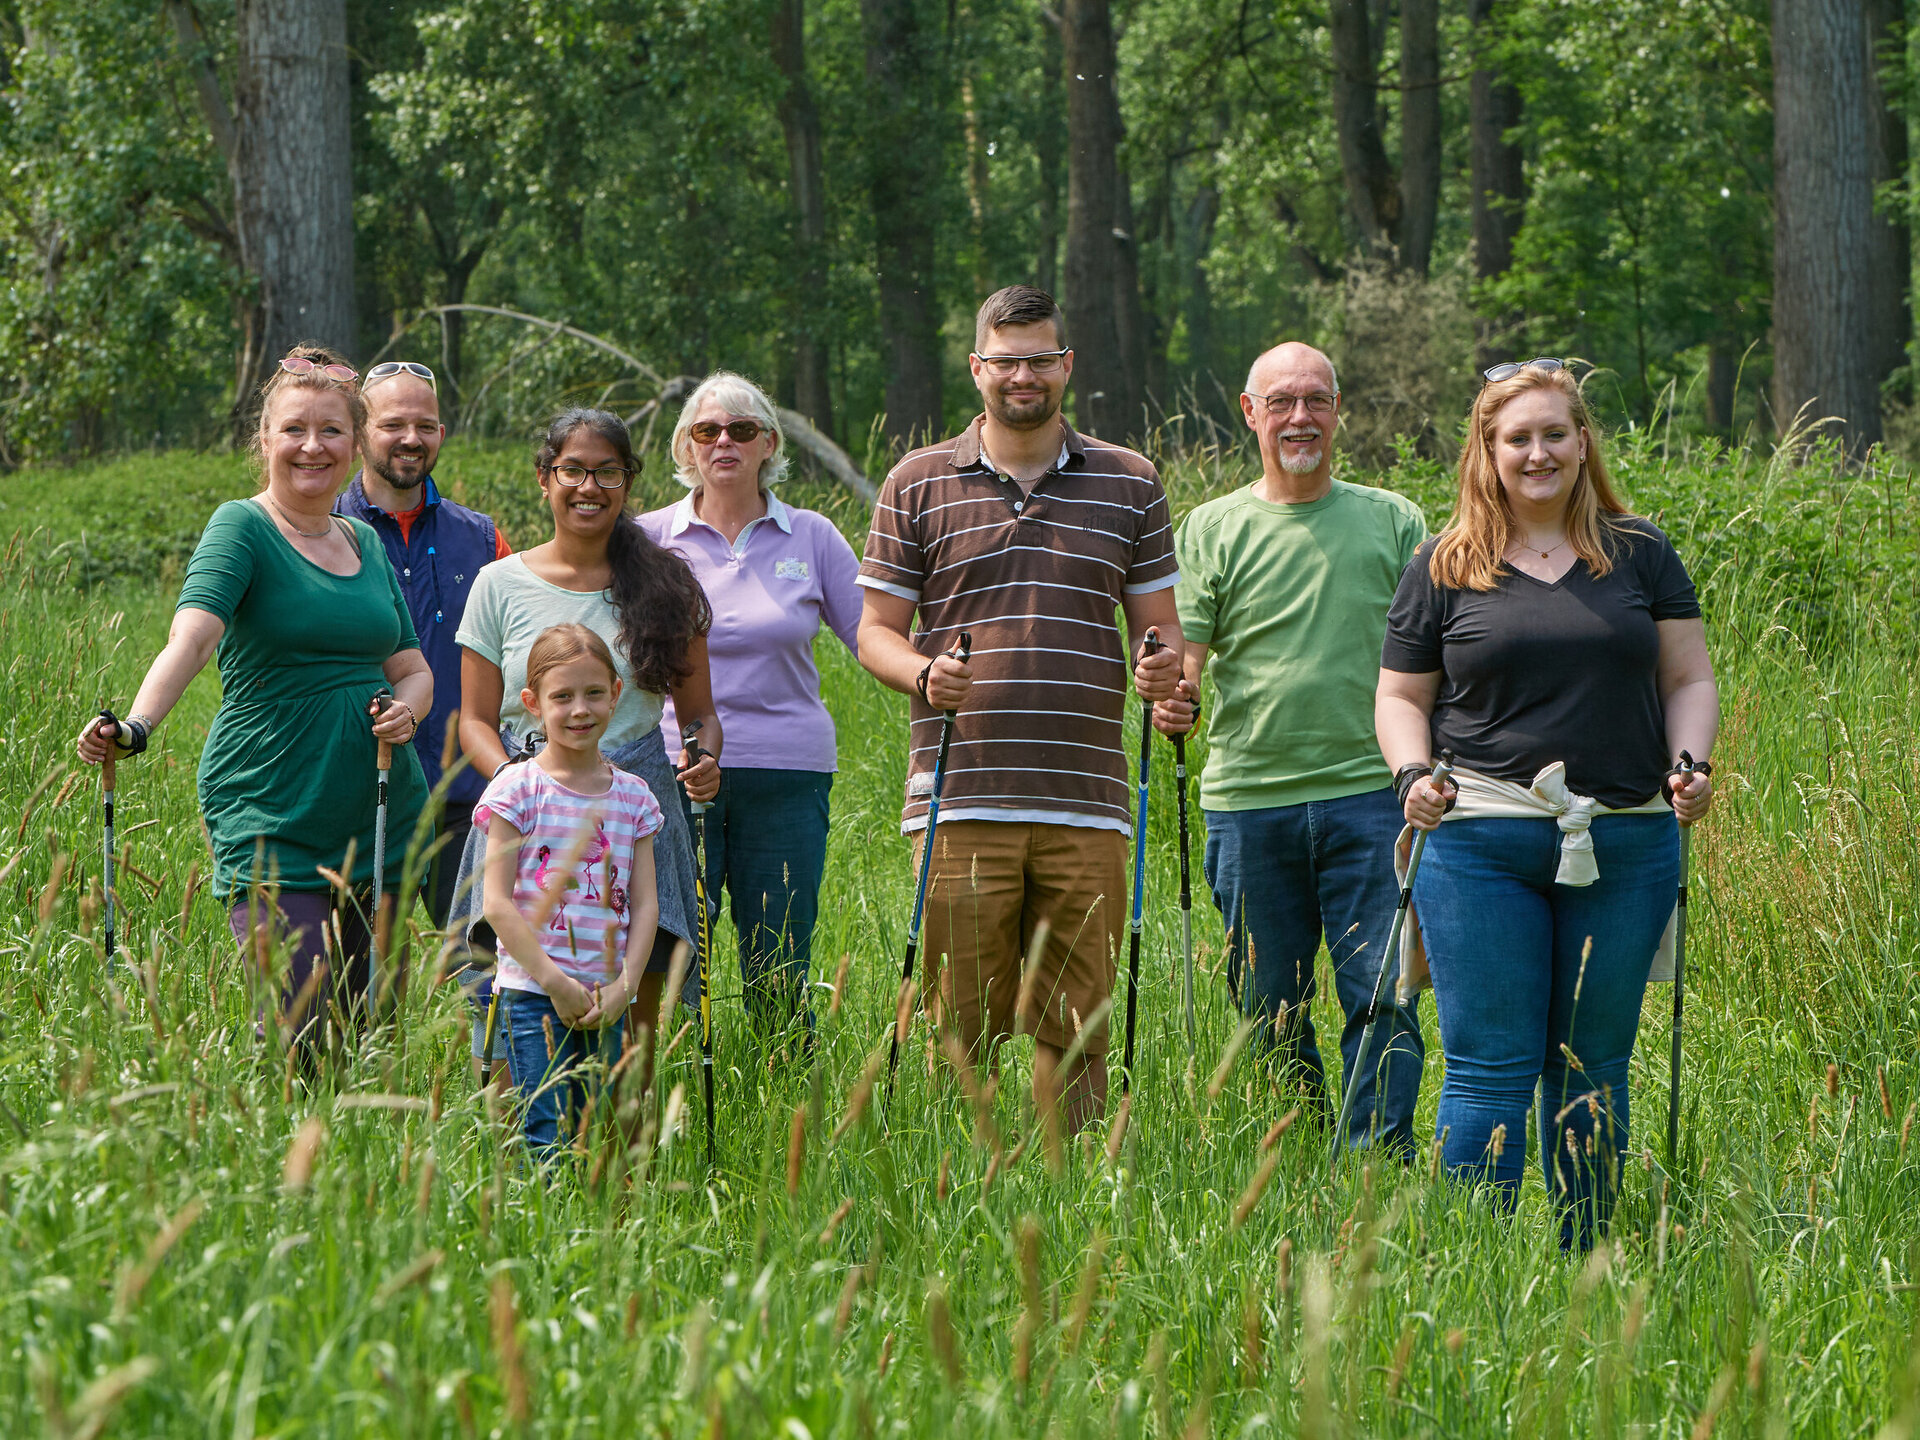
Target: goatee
<point>384,469</point>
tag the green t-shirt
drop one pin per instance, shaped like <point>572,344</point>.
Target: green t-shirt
<point>1292,602</point>
<point>291,757</point>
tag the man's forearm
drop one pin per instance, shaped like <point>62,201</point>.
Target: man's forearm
<point>890,658</point>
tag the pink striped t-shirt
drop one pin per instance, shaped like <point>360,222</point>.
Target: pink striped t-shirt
<point>549,815</point>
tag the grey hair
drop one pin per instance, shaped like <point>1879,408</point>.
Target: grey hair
<point>1254,368</point>
<point>738,396</point>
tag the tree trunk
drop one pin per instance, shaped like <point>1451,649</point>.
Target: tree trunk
<point>1373,200</point>
<point>1419,131</point>
<point>1049,146</point>
<point>1891,258</point>
<point>1102,323</point>
<point>294,173</point>
<point>800,120</point>
<point>1824,298</point>
<point>1498,173</point>
<point>902,181</point>
<point>1721,374</point>
<point>1201,216</point>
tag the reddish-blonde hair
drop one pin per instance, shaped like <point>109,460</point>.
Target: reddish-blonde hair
<point>558,644</point>
<point>1471,552</point>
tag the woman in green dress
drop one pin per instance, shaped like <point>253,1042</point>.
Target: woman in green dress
<point>309,625</point>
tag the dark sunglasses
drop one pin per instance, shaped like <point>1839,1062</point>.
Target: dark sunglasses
<point>1494,374</point>
<point>301,365</point>
<point>403,367</point>
<point>741,432</point>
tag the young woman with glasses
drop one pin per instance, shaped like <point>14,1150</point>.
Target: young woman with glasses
<point>774,574</point>
<point>598,569</point>
<point>309,623</point>
<point>1552,641</point>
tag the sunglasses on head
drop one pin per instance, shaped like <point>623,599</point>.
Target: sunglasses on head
<point>403,367</point>
<point>1494,374</point>
<point>741,432</point>
<point>301,365</point>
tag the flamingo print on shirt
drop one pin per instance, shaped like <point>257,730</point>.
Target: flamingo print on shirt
<point>590,906</point>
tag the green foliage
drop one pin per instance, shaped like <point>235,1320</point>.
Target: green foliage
<point>621,164</point>
<point>165,1269</point>
<point>115,311</point>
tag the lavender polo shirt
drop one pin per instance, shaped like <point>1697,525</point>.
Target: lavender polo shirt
<point>770,590</point>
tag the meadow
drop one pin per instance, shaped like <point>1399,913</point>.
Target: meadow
<point>194,1242</point>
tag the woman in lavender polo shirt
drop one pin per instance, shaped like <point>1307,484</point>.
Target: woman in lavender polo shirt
<point>773,574</point>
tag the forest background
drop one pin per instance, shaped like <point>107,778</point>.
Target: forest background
<point>819,192</point>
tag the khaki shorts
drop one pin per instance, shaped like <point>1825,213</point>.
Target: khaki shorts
<point>993,882</point>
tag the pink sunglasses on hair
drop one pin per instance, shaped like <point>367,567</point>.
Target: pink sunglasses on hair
<point>301,365</point>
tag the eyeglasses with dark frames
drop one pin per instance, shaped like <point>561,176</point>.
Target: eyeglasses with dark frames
<point>1044,363</point>
<point>1494,374</point>
<point>607,477</point>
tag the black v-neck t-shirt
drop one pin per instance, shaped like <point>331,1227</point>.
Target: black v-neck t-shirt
<point>1532,673</point>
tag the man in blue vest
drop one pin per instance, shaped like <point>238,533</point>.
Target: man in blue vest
<point>436,548</point>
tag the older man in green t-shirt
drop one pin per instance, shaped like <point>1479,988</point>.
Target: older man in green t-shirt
<point>1284,586</point>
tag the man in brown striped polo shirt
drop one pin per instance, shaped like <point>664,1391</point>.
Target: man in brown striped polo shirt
<point>1027,535</point>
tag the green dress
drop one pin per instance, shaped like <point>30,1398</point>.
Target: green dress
<point>290,760</point>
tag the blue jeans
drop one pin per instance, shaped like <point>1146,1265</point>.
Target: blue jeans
<point>551,1069</point>
<point>767,846</point>
<point>1284,878</point>
<point>1504,943</point>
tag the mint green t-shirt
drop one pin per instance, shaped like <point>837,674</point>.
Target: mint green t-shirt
<point>1292,602</point>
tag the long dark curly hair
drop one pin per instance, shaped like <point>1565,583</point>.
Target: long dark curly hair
<point>662,608</point>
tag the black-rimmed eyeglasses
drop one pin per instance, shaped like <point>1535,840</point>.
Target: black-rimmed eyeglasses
<point>1045,363</point>
<point>607,477</point>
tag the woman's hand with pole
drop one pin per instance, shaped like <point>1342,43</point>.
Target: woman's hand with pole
<point>1403,724</point>
<point>699,767</point>
<point>1691,702</point>
<point>190,644</point>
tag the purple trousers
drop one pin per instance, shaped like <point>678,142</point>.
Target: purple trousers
<point>326,972</point>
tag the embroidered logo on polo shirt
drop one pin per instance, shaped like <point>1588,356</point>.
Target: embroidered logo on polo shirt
<point>790,569</point>
<point>920,786</point>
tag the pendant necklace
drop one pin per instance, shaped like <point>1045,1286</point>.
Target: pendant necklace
<point>310,534</point>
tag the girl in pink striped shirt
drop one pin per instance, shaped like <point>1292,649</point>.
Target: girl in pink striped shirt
<point>569,887</point>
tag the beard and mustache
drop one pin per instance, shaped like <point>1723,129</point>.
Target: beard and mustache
<point>387,469</point>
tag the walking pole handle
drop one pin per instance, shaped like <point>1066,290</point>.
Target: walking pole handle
<point>696,753</point>
<point>382,698</point>
<point>962,651</point>
<point>112,724</point>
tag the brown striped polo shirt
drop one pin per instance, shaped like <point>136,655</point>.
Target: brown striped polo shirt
<point>1035,578</point>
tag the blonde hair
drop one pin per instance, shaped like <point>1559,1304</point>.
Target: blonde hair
<point>738,396</point>
<point>279,380</point>
<point>1471,552</point>
<point>558,644</point>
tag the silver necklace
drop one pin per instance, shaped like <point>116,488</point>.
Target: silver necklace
<point>310,534</point>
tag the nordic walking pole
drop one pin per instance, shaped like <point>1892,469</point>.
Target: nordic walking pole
<point>106,814</point>
<point>1186,888</point>
<point>1441,774</point>
<point>699,808</point>
<point>1149,646</point>
<point>962,649</point>
<point>383,767</point>
<point>1679,981</point>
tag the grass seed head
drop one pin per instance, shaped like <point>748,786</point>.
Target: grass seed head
<point>1280,1127</point>
<point>1117,1131</point>
<point>1256,1187</point>
<point>1088,1291</point>
<point>296,1173</point>
<point>940,1334</point>
<point>796,1149</point>
<point>1833,1081</point>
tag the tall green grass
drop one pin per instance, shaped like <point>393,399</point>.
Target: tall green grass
<point>192,1244</point>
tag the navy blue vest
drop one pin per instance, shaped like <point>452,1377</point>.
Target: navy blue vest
<point>436,564</point>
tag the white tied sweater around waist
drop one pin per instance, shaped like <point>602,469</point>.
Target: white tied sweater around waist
<point>1483,798</point>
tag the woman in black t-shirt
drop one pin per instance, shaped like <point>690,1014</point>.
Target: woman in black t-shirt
<point>1553,643</point>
